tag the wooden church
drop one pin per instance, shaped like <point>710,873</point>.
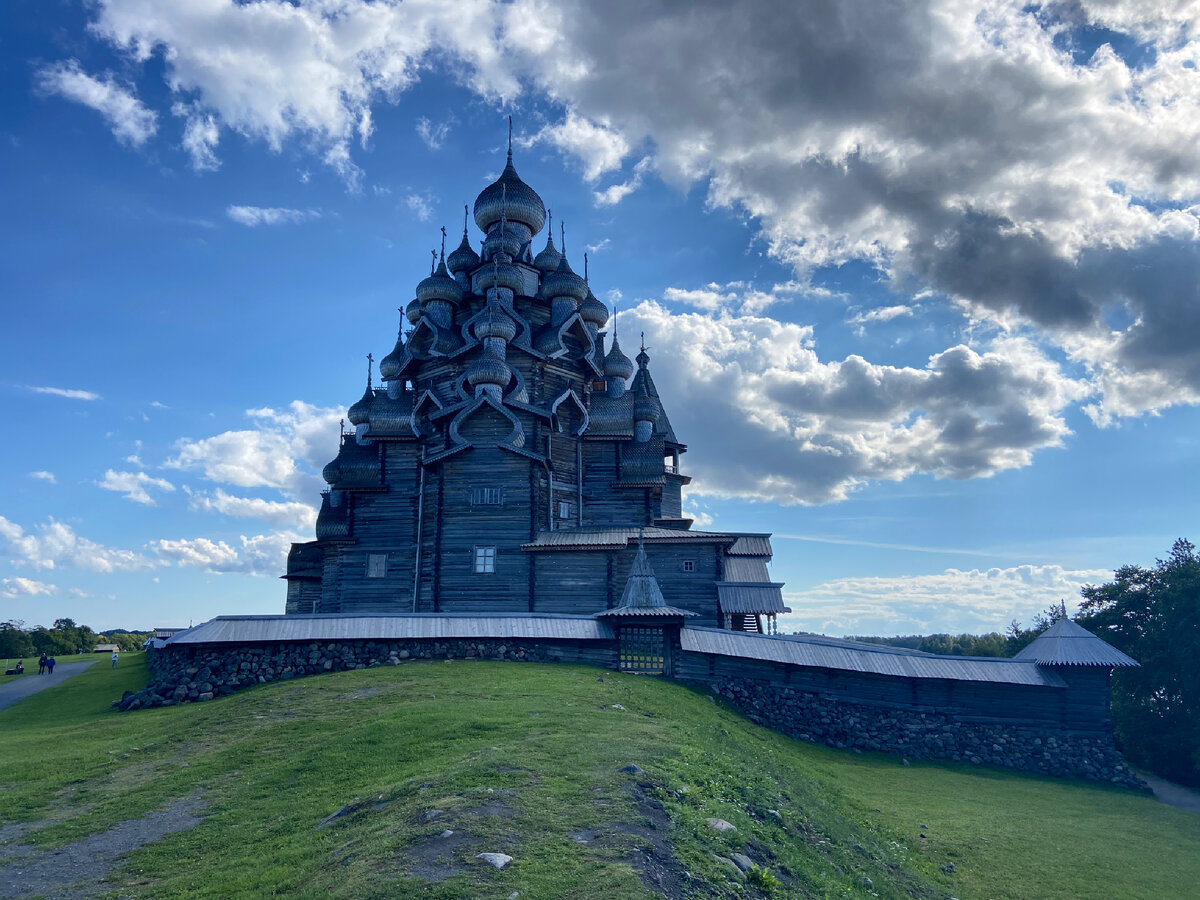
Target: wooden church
<point>514,459</point>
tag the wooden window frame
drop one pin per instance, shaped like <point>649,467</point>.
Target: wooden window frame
<point>373,563</point>
<point>483,559</point>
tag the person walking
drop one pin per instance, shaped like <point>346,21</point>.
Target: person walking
<point>42,664</point>
<point>50,665</point>
<point>114,658</point>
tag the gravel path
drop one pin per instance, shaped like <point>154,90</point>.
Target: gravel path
<point>1172,794</point>
<point>20,688</point>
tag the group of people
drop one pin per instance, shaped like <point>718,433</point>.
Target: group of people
<point>46,665</point>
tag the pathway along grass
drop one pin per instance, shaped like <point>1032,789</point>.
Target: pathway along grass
<point>525,760</point>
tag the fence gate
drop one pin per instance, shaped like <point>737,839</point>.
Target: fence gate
<point>641,649</point>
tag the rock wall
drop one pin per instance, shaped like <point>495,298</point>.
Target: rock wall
<point>181,674</point>
<point>184,673</point>
<point>926,735</point>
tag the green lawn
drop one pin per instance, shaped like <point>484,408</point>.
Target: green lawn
<point>520,757</point>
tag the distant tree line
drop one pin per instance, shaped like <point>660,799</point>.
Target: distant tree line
<point>63,638</point>
<point>1153,614</point>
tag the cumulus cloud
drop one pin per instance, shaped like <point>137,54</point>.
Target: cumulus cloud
<point>283,451</point>
<point>136,486</point>
<point>69,393</point>
<point>954,601</point>
<point>599,147</point>
<point>820,429</point>
<point>254,216</point>
<point>995,155</point>
<point>43,475</point>
<point>262,554</point>
<point>11,588</point>
<point>55,544</point>
<point>131,122</point>
<point>290,513</point>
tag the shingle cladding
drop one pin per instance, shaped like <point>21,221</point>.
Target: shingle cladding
<point>1066,643</point>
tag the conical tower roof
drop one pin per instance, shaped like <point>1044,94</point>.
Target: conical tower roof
<point>1066,644</point>
<point>642,595</point>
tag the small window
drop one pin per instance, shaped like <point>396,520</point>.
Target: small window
<point>485,496</point>
<point>485,560</point>
<point>689,565</point>
<point>377,565</point>
<point>564,509</point>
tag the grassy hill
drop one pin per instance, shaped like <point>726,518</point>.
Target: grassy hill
<point>527,760</point>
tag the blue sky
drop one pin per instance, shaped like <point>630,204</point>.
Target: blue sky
<point>919,286</point>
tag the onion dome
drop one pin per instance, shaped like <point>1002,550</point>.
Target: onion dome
<point>592,311</point>
<point>563,282</point>
<point>440,286</point>
<point>503,275</point>
<point>549,258</point>
<point>494,326</point>
<point>463,259</point>
<point>360,412</point>
<point>643,358</point>
<point>645,407</point>
<point>332,473</point>
<point>413,312</point>
<point>616,363</point>
<point>509,196</point>
<point>391,365</point>
<point>489,369</point>
<point>502,240</point>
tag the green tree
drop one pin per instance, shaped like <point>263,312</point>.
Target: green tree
<point>50,642</point>
<point>1153,614</point>
<point>14,641</point>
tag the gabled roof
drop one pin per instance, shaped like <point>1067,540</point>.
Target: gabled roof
<point>745,597</point>
<point>1066,644</point>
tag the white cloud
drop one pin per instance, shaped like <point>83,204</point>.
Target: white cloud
<point>599,147</point>
<point>965,148</point>
<point>254,216</point>
<point>820,429</point>
<point>291,513</point>
<point>200,138</point>
<point>55,544</point>
<point>420,206</point>
<point>11,588</point>
<point>283,451</point>
<point>954,601</point>
<point>43,475</point>
<point>136,486</point>
<point>262,554</point>
<point>69,393</point>
<point>433,135</point>
<point>615,193</point>
<point>131,122</point>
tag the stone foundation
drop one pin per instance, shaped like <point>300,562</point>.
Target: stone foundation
<point>928,735</point>
<point>180,675</point>
<point>200,672</point>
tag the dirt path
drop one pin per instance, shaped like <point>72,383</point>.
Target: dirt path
<point>20,688</point>
<point>75,871</point>
<point>1172,794</point>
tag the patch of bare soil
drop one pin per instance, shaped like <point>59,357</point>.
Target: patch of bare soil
<point>435,859</point>
<point>76,871</point>
<point>655,861</point>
